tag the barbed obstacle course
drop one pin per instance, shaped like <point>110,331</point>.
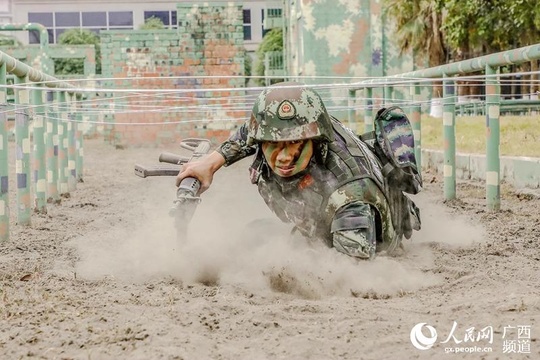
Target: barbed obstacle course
<point>50,117</point>
<point>48,145</point>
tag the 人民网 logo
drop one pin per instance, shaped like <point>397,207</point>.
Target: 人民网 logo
<point>419,340</point>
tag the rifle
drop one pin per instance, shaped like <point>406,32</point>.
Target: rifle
<point>186,195</point>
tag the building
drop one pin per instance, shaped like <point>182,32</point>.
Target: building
<point>6,12</point>
<point>96,15</point>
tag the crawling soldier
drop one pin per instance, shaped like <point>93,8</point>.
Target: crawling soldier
<point>316,174</point>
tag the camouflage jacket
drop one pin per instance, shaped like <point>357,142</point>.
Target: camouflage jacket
<point>351,175</point>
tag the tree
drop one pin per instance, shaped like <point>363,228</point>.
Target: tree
<point>479,27</point>
<point>418,24</point>
<point>77,37</point>
<point>440,30</point>
<point>152,23</point>
<point>272,41</point>
<point>459,29</point>
<point>418,29</point>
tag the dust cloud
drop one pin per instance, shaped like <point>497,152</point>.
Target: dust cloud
<point>235,241</point>
<point>440,226</point>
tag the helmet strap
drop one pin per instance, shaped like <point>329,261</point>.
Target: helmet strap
<point>320,151</point>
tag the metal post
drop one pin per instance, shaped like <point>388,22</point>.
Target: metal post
<point>416,112</point>
<point>51,142</point>
<point>71,130</point>
<point>368,117</point>
<point>40,175</point>
<point>352,112</point>
<point>79,146</point>
<point>449,133</point>
<point>22,163</point>
<point>4,168</point>
<point>388,92</point>
<point>63,169</point>
<point>493,99</point>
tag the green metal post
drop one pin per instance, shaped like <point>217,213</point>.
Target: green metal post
<point>449,134</point>
<point>388,92</point>
<point>351,112</point>
<point>79,147</point>
<point>71,130</point>
<point>493,99</point>
<point>63,169</point>
<point>368,116</point>
<point>40,161</point>
<point>416,112</point>
<point>22,162</point>
<point>4,168</point>
<point>51,142</point>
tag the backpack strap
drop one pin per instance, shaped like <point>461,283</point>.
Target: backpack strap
<point>370,139</point>
<point>347,136</point>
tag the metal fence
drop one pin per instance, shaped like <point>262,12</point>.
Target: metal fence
<point>447,74</point>
<point>48,147</point>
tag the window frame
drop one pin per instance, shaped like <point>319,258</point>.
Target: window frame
<point>54,29</point>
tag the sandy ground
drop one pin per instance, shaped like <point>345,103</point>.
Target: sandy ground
<point>102,276</point>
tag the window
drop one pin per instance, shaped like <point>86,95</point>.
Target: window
<point>33,36</point>
<point>59,22</point>
<point>45,19</point>
<point>247,24</point>
<point>272,14</point>
<point>264,31</point>
<point>121,18</point>
<point>67,19</point>
<point>167,17</point>
<point>94,19</point>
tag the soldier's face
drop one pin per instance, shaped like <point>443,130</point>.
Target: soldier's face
<point>288,158</point>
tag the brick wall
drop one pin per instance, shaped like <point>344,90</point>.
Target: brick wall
<point>198,61</point>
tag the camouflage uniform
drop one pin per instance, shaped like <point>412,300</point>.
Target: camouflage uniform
<point>342,196</point>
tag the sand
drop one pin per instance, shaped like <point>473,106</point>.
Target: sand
<point>103,276</point>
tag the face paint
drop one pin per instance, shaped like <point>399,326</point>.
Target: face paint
<point>288,158</point>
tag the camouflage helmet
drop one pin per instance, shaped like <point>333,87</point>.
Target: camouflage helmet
<point>289,111</point>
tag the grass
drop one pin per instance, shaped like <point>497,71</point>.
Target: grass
<point>520,135</point>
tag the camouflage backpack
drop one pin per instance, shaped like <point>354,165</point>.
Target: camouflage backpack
<point>393,143</point>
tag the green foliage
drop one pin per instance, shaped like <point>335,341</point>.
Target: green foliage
<point>6,40</point>
<point>77,37</point>
<point>272,41</point>
<point>152,23</point>
<point>463,28</point>
<point>418,28</point>
<point>479,27</point>
<point>248,66</point>
<point>475,27</point>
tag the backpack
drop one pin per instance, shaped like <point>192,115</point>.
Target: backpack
<point>393,143</point>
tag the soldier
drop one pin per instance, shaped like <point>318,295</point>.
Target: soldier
<point>314,173</point>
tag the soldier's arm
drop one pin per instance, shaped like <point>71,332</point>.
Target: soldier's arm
<point>230,151</point>
<point>235,148</point>
<point>354,230</point>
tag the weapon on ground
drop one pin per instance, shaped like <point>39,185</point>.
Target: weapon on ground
<point>186,195</point>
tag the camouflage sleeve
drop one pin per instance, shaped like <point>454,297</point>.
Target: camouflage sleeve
<point>353,230</point>
<point>235,148</point>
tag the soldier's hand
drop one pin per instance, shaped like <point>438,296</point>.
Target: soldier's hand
<point>203,170</point>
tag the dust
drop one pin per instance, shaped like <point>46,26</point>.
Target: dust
<point>247,247</point>
<point>439,225</point>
